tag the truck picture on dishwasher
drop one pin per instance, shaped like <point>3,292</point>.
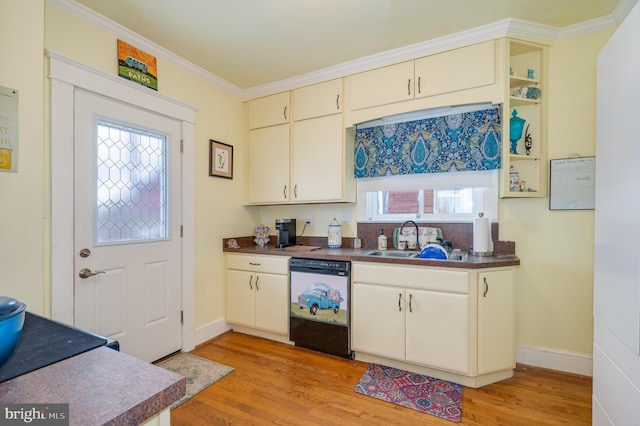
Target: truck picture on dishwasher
<point>320,300</point>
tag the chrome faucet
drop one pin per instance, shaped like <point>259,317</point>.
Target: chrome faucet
<point>406,244</point>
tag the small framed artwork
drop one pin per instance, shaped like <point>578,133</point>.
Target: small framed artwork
<point>220,159</point>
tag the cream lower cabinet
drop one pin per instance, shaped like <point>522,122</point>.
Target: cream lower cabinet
<point>257,290</point>
<point>408,321</point>
<point>437,321</point>
<point>496,321</point>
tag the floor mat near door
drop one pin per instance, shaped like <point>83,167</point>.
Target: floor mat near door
<point>200,373</point>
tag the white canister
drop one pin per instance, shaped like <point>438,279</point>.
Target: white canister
<point>335,234</point>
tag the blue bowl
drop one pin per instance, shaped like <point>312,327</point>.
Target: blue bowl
<point>11,321</point>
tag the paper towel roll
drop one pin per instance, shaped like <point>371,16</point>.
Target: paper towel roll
<point>482,235</point>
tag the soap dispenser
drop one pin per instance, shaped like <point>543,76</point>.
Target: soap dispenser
<point>382,241</point>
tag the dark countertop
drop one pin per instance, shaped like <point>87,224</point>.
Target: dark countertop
<point>101,386</point>
<point>472,262</point>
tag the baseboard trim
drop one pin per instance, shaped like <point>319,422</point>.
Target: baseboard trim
<point>211,330</point>
<point>553,359</point>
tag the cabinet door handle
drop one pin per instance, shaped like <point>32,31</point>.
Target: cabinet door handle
<point>409,87</point>
<point>285,192</point>
<point>295,191</point>
<point>399,300</point>
<point>257,279</point>
<point>251,282</point>
<point>285,112</point>
<point>486,287</point>
<point>419,91</point>
<point>410,307</point>
<point>338,102</point>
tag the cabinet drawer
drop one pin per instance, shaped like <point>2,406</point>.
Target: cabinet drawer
<point>266,264</point>
<point>409,276</point>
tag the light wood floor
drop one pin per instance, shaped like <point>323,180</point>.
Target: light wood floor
<point>275,383</point>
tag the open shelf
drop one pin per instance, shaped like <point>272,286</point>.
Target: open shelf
<point>531,164</point>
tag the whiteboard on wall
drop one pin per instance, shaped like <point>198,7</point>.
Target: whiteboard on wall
<point>572,183</point>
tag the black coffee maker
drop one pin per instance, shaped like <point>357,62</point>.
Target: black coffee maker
<point>286,232</point>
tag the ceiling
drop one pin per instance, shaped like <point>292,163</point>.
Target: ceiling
<point>251,43</point>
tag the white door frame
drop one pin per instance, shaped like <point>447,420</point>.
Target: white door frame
<point>65,76</point>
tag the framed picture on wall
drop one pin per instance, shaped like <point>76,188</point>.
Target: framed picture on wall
<point>220,159</point>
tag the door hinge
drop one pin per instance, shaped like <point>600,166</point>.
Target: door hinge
<point>181,317</point>
<point>181,231</point>
<point>181,146</point>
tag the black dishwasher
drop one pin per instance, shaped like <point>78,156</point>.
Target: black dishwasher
<point>319,315</point>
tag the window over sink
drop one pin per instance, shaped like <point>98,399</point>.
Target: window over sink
<point>445,197</point>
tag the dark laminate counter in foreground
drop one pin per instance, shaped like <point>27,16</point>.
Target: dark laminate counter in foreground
<point>472,262</point>
<point>101,386</point>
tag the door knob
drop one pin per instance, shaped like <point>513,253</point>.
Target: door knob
<point>86,273</point>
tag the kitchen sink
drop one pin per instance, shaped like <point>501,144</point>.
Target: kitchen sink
<point>393,253</point>
<point>456,255</point>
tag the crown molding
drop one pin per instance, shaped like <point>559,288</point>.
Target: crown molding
<point>623,9</point>
<point>587,27</point>
<point>510,27</point>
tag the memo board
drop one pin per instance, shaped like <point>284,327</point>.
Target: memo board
<point>572,183</point>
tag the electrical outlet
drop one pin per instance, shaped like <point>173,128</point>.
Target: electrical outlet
<point>345,216</point>
<point>308,220</point>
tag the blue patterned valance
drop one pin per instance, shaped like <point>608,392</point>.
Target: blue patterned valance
<point>456,142</point>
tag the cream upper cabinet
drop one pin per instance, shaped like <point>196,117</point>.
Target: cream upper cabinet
<point>381,86</point>
<point>269,110</point>
<point>317,100</point>
<point>257,290</point>
<point>496,321</point>
<point>454,70</point>
<point>268,165</point>
<point>457,69</point>
<point>318,159</point>
<point>307,160</point>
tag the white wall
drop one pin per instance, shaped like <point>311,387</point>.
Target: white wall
<point>616,352</point>
<point>23,213</point>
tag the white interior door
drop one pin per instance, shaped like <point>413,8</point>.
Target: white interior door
<point>127,225</point>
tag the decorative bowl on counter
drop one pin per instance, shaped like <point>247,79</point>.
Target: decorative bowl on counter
<point>12,315</point>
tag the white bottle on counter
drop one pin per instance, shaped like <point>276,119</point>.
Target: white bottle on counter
<point>382,241</point>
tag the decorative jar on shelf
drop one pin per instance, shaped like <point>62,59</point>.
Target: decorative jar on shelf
<point>516,124</point>
<point>514,177</point>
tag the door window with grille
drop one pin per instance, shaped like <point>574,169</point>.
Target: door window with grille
<point>131,184</point>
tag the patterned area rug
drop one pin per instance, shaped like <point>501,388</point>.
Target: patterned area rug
<point>200,373</point>
<point>422,393</point>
